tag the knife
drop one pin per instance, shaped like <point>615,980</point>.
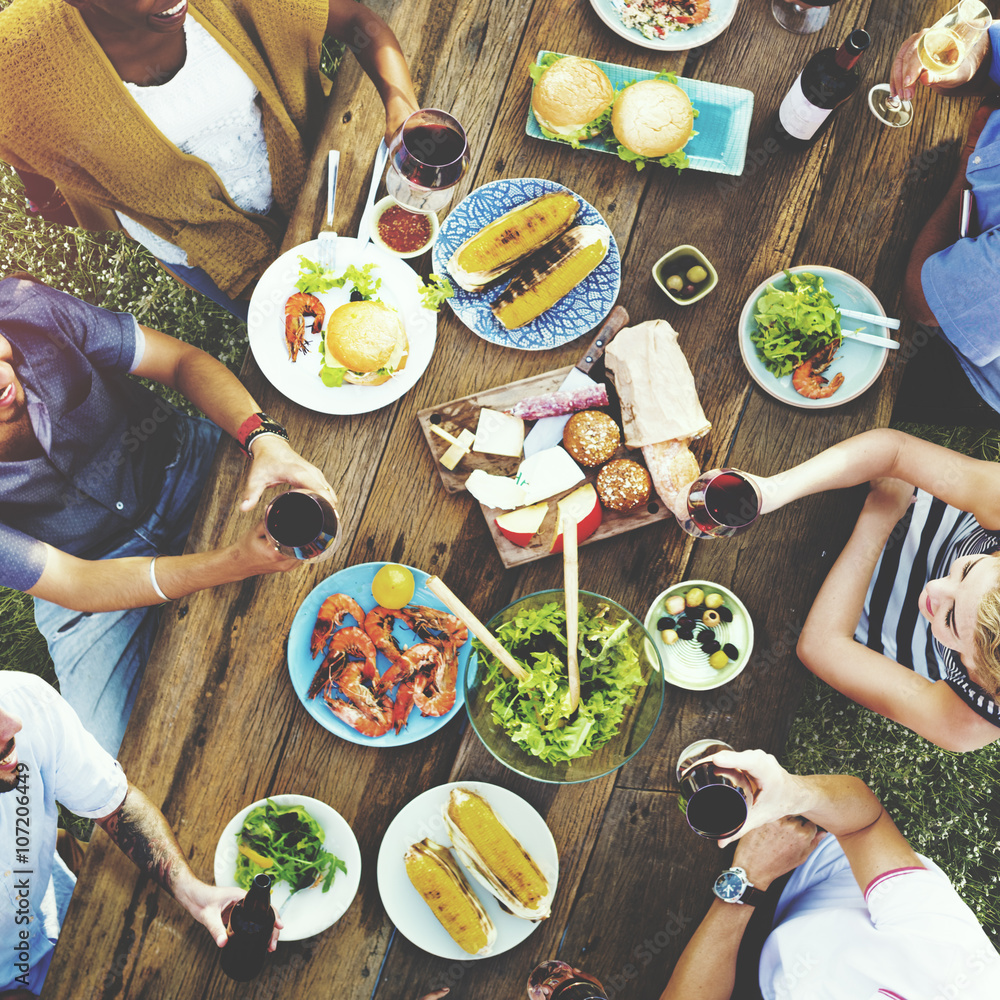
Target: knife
<point>548,431</point>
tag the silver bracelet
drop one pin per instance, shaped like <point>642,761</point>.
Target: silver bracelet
<point>152,579</point>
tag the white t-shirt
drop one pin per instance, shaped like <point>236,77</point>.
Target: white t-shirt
<point>59,760</point>
<point>908,937</point>
<point>208,109</point>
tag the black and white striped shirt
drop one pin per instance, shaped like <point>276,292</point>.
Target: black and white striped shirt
<point>927,540</point>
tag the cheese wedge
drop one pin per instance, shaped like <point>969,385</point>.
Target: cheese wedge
<point>444,888</point>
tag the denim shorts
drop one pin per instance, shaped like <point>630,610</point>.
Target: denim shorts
<point>99,657</point>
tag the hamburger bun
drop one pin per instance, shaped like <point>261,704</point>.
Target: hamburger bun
<point>368,339</point>
<point>570,94</point>
<point>652,118</point>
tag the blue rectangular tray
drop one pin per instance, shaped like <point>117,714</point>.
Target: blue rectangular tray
<point>723,122</point>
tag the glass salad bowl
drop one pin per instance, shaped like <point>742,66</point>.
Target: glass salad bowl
<point>621,689</point>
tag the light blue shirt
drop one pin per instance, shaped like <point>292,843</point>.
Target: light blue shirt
<point>59,760</point>
<point>962,282</point>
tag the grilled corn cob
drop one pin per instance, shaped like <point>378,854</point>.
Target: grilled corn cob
<point>551,273</point>
<point>506,241</point>
<point>495,857</point>
<point>444,888</point>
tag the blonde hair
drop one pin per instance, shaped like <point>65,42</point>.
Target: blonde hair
<point>986,641</point>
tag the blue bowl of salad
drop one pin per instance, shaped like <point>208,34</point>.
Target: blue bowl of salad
<point>525,725</point>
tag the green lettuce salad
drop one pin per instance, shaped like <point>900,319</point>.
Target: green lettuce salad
<point>795,323</point>
<point>287,844</point>
<point>533,712</point>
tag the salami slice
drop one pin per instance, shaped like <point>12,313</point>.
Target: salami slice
<point>555,404</point>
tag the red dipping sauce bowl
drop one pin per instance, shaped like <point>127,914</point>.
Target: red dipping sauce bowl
<point>400,231</point>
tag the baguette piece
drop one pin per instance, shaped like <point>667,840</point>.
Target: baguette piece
<point>672,468</point>
<point>444,888</point>
<point>506,241</point>
<point>552,272</point>
<point>495,857</point>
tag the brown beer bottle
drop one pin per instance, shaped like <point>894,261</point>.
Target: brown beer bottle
<point>251,922</point>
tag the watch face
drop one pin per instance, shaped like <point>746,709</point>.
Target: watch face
<point>729,886</point>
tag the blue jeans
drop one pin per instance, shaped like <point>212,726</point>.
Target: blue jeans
<point>199,280</point>
<point>99,656</point>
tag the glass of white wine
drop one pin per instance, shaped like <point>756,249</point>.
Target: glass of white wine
<point>943,49</point>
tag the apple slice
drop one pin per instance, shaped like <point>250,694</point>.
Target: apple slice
<point>585,507</point>
<point>521,525</point>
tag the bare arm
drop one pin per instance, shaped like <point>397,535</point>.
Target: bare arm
<point>220,395</point>
<point>827,647</point>
<point>114,584</point>
<point>839,803</point>
<point>706,969</point>
<point>377,50</point>
<point>145,837</point>
<point>963,482</point>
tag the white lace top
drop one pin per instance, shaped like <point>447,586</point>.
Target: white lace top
<point>208,109</point>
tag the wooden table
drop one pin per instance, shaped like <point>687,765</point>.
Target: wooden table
<point>217,724</point>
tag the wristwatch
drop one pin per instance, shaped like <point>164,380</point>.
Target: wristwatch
<point>733,886</point>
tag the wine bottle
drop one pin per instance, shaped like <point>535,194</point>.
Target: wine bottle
<point>829,79</point>
<point>251,922</point>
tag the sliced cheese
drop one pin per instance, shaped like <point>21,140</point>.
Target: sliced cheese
<point>499,433</point>
<point>547,473</point>
<point>495,491</point>
<point>458,450</point>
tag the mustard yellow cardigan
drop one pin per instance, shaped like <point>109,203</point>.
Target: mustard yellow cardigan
<point>66,114</point>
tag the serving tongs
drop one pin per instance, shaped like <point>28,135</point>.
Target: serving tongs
<point>447,596</point>
<point>571,589</point>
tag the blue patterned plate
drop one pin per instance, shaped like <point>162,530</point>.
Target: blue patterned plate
<point>723,122</point>
<point>860,363</point>
<point>356,581</point>
<point>714,25</point>
<point>572,316</point>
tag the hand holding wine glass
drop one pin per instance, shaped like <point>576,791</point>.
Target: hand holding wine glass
<point>908,69</point>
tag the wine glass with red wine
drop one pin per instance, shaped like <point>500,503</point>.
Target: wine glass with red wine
<point>555,980</point>
<point>303,524</point>
<point>428,156</point>
<point>802,19</point>
<point>717,805</point>
<point>721,503</point>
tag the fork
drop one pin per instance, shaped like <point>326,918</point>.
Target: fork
<point>327,238</point>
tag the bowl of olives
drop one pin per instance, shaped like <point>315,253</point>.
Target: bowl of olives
<point>703,633</point>
<point>685,275</point>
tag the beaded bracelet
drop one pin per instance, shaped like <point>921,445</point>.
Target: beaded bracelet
<point>255,426</point>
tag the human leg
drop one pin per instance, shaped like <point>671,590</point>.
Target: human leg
<point>196,278</point>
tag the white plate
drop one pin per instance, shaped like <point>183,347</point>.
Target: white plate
<point>714,25</point>
<point>422,818</point>
<point>684,664</point>
<point>299,380</point>
<point>861,364</point>
<point>312,910</point>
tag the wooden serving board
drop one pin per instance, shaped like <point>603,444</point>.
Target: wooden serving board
<point>459,414</point>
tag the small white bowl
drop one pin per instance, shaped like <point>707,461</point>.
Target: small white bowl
<point>684,664</point>
<point>387,202</point>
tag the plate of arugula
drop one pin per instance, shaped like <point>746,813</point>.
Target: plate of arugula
<point>307,848</point>
<point>364,271</point>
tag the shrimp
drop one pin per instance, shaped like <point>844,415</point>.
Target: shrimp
<point>298,306</point>
<point>403,705</point>
<point>378,625</point>
<point>441,682</point>
<point>354,642</point>
<point>355,718</point>
<point>695,11</point>
<point>326,676</point>
<point>422,656</point>
<point>331,615</point>
<point>426,621</point>
<point>807,380</point>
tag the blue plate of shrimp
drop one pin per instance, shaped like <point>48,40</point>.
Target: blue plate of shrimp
<point>355,583</point>
<point>860,364</point>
